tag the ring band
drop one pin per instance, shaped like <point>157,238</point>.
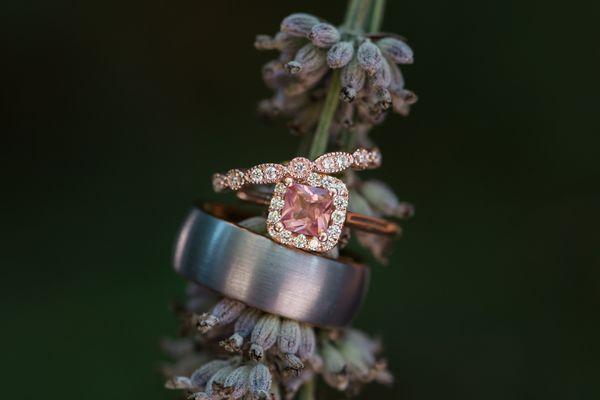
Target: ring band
<point>299,167</point>
<point>361,222</point>
<point>251,268</point>
<point>308,208</point>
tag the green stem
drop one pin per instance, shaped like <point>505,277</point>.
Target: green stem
<point>357,13</point>
<point>351,12</point>
<point>377,16</point>
<point>307,392</point>
<point>361,16</point>
<point>319,143</point>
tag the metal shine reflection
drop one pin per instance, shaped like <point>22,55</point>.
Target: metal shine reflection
<point>261,273</point>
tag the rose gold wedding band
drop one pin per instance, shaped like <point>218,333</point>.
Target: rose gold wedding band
<point>361,222</point>
<point>299,167</point>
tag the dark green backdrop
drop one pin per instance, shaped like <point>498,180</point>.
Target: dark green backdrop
<point>114,115</point>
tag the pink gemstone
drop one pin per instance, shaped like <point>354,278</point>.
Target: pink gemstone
<point>307,209</point>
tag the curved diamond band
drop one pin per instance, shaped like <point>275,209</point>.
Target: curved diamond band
<point>299,167</point>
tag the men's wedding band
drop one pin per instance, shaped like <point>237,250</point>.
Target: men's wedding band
<point>214,252</point>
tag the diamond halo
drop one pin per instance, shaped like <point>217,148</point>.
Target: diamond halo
<point>334,195</point>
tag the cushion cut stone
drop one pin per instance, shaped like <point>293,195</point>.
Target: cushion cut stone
<point>307,209</point>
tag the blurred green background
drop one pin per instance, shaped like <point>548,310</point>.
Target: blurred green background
<point>114,115</point>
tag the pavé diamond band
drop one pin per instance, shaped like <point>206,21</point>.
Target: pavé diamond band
<point>242,265</point>
<point>299,167</point>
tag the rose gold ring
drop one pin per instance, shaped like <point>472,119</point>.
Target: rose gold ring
<point>307,208</point>
<point>299,168</point>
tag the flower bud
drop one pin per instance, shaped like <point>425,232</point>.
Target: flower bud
<point>309,58</point>
<point>293,364</point>
<point>274,75</point>
<point>358,204</point>
<point>324,35</point>
<point>227,310</point>
<point>199,396</point>
<point>247,320</point>
<point>352,80</point>
<point>203,374</point>
<point>289,336</point>
<point>233,344</point>
<point>396,50</point>
<point>237,382</point>
<point>383,77</point>
<point>259,381</point>
<point>369,57</point>
<point>293,67</point>
<point>264,335</point>
<point>396,78</point>
<point>357,362</point>
<point>215,383</point>
<point>265,42</point>
<point>334,367</point>
<point>380,196</point>
<point>307,342</point>
<point>204,322</point>
<point>403,100</point>
<point>381,100</point>
<point>340,54</point>
<point>298,24</point>
<point>333,362</point>
<point>179,382</point>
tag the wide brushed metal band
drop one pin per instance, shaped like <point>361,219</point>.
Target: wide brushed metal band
<point>253,269</point>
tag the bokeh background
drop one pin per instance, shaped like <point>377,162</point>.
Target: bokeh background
<point>114,115</point>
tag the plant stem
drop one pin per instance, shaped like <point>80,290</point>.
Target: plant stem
<point>356,15</point>
<point>319,143</point>
<point>307,392</point>
<point>363,12</point>
<point>377,16</point>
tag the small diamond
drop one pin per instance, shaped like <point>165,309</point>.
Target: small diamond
<point>277,203</point>
<point>300,167</point>
<point>313,244</point>
<point>334,233</point>
<point>300,241</point>
<point>271,173</point>
<point>256,175</point>
<point>274,217</point>
<point>340,202</point>
<point>361,158</point>
<point>235,179</point>
<point>280,188</point>
<point>376,157</point>
<point>314,179</point>
<point>327,164</point>
<point>219,182</point>
<point>285,236</point>
<point>338,217</point>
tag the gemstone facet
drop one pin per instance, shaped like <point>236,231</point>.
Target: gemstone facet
<point>307,209</point>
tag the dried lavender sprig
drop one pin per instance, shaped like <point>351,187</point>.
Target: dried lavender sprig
<point>373,84</point>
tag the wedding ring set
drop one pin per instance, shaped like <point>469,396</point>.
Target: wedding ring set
<point>307,212</point>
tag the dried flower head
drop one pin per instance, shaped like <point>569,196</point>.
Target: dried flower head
<point>310,49</point>
<point>280,356</point>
